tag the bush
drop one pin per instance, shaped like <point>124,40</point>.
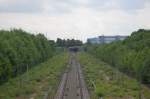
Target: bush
<point>19,49</point>
<point>130,56</point>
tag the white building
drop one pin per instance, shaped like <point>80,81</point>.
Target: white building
<point>105,39</point>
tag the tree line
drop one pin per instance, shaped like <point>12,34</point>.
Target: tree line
<point>68,43</point>
<point>131,56</point>
<point>20,50</point>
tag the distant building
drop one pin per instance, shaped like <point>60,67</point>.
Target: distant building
<point>105,39</point>
<point>93,40</point>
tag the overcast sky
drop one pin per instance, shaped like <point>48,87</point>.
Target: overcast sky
<point>78,19</point>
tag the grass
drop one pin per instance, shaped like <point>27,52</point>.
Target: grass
<point>36,83</point>
<point>104,81</point>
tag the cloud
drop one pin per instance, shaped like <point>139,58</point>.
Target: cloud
<point>79,19</point>
<point>65,6</point>
<point>124,5</point>
<point>20,6</point>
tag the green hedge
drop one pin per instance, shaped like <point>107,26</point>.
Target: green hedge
<point>20,50</point>
<point>131,56</point>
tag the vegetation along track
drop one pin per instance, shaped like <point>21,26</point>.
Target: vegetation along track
<point>72,85</point>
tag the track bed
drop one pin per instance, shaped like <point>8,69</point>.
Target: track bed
<point>72,85</point>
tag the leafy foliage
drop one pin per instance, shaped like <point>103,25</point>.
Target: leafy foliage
<point>131,56</point>
<point>108,83</point>
<point>37,81</point>
<point>19,49</point>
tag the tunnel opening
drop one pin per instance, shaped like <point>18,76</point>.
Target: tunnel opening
<point>74,49</point>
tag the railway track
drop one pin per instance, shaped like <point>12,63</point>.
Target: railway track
<point>72,85</point>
